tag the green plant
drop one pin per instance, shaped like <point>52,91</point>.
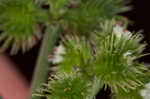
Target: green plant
<point>95,48</point>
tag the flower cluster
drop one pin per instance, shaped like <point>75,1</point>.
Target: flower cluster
<point>111,58</point>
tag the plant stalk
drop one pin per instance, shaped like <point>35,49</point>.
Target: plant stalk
<point>41,70</point>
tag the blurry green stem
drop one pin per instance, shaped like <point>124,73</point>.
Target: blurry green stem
<point>42,66</point>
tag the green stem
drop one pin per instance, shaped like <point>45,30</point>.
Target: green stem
<point>42,66</point>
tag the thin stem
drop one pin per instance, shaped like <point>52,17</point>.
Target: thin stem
<point>42,66</point>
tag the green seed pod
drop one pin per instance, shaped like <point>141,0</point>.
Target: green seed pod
<point>116,55</point>
<point>19,23</point>
<point>66,86</point>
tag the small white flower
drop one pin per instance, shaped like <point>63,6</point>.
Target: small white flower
<point>147,86</point>
<point>57,57</point>
<point>117,30</point>
<point>145,93</point>
<point>128,53</point>
<point>127,34</point>
<point>60,50</point>
<point>120,31</point>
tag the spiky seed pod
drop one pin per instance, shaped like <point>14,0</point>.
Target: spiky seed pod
<point>116,63</point>
<point>19,21</point>
<point>80,19</point>
<point>78,15</point>
<point>77,53</point>
<point>64,86</point>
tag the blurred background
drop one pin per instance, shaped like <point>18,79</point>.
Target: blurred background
<point>139,15</point>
